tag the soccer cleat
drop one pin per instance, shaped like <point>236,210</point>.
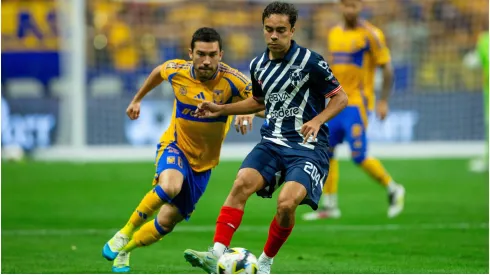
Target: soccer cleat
<point>114,245</point>
<point>264,264</point>
<point>121,263</point>
<point>323,213</point>
<point>397,201</point>
<point>205,260</point>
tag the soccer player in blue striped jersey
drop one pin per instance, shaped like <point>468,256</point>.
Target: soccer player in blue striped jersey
<point>291,83</point>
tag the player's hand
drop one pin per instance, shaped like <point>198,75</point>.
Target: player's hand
<point>310,129</point>
<point>133,110</point>
<point>208,109</point>
<point>241,123</point>
<point>382,109</point>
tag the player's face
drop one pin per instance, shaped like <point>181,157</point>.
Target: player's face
<point>205,58</point>
<point>278,33</point>
<point>350,9</point>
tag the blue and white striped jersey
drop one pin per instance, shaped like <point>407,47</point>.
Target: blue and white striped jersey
<point>294,90</point>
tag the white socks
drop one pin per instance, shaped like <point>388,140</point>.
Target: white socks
<point>219,249</point>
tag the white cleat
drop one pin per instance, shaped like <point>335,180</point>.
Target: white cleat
<point>114,245</point>
<point>397,201</point>
<point>323,213</point>
<point>206,260</point>
<point>264,264</point>
<point>121,263</point>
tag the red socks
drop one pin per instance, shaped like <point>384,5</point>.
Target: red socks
<point>277,237</point>
<point>229,220</point>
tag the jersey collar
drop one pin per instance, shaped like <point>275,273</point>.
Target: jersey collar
<point>287,57</point>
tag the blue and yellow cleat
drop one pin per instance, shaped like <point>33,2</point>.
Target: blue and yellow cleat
<point>121,263</point>
<point>114,245</point>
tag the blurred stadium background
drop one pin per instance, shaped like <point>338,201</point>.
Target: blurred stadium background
<point>70,68</point>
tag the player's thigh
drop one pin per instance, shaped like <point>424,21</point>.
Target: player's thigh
<point>357,135</point>
<point>310,169</point>
<point>172,169</point>
<point>168,216</point>
<point>259,169</point>
<point>291,195</point>
<point>192,190</point>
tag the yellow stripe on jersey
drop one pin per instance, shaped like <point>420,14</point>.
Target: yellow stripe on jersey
<point>354,55</point>
<point>201,139</point>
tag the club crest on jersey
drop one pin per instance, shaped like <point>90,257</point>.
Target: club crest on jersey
<point>218,96</point>
<point>183,90</point>
<point>296,77</point>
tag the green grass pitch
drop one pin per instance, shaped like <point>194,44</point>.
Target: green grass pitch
<point>57,216</point>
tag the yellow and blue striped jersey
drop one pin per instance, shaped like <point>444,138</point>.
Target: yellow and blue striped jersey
<point>201,138</point>
<point>353,56</point>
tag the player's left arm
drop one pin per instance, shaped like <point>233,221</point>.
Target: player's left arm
<point>381,55</point>
<point>323,80</point>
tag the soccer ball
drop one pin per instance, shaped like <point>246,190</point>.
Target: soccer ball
<point>237,261</point>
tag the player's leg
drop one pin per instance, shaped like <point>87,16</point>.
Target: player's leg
<point>356,136</point>
<point>480,164</point>
<point>329,202</point>
<point>258,168</point>
<point>305,175</point>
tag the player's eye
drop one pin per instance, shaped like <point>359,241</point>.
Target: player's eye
<point>268,29</point>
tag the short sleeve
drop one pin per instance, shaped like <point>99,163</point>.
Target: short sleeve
<point>166,68</point>
<point>379,50</point>
<point>322,77</point>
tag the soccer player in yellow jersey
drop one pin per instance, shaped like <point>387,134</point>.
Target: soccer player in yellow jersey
<point>188,149</point>
<point>355,49</point>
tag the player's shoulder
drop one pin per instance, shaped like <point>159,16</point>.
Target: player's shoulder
<point>176,65</point>
<point>371,30</point>
<point>232,74</point>
<point>315,58</point>
<point>336,29</point>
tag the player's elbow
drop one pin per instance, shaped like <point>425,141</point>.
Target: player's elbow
<point>341,99</point>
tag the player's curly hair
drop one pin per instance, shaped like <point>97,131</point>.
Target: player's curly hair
<point>206,34</point>
<point>278,7</point>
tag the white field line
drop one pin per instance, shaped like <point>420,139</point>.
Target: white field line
<point>257,228</point>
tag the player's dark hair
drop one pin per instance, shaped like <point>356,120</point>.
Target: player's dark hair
<point>206,35</point>
<point>281,8</point>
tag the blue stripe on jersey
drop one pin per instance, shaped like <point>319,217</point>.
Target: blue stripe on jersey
<point>170,78</point>
<point>234,90</point>
<point>185,111</point>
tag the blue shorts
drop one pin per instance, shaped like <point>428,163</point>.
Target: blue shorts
<point>306,166</point>
<point>195,183</point>
<point>349,125</point>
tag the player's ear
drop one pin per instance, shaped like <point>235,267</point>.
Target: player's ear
<point>221,54</point>
<point>292,31</point>
<point>190,53</point>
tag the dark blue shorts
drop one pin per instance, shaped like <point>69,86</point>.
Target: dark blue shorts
<point>195,183</point>
<point>279,164</point>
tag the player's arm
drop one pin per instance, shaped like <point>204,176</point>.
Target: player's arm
<point>250,105</point>
<point>153,80</point>
<point>325,82</point>
<point>381,56</point>
<point>261,114</point>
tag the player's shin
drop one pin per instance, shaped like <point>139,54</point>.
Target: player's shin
<point>152,201</point>
<point>229,220</point>
<point>278,234</point>
<point>149,233</point>
<point>376,170</point>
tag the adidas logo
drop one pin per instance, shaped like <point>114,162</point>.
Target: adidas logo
<point>200,96</point>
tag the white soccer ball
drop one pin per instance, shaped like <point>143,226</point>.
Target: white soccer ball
<point>237,261</point>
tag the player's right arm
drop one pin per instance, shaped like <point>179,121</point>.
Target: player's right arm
<point>250,105</point>
<point>154,79</point>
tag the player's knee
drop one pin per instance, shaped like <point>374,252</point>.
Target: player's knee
<point>358,157</point>
<point>246,183</point>
<point>171,183</point>
<point>286,207</point>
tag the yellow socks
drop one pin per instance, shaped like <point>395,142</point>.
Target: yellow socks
<point>149,233</point>
<point>332,183</point>
<point>150,203</point>
<point>376,170</point>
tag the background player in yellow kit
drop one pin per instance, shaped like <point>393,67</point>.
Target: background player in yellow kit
<point>188,149</point>
<point>355,49</point>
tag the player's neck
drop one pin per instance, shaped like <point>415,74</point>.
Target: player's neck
<point>279,55</point>
<point>351,24</point>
